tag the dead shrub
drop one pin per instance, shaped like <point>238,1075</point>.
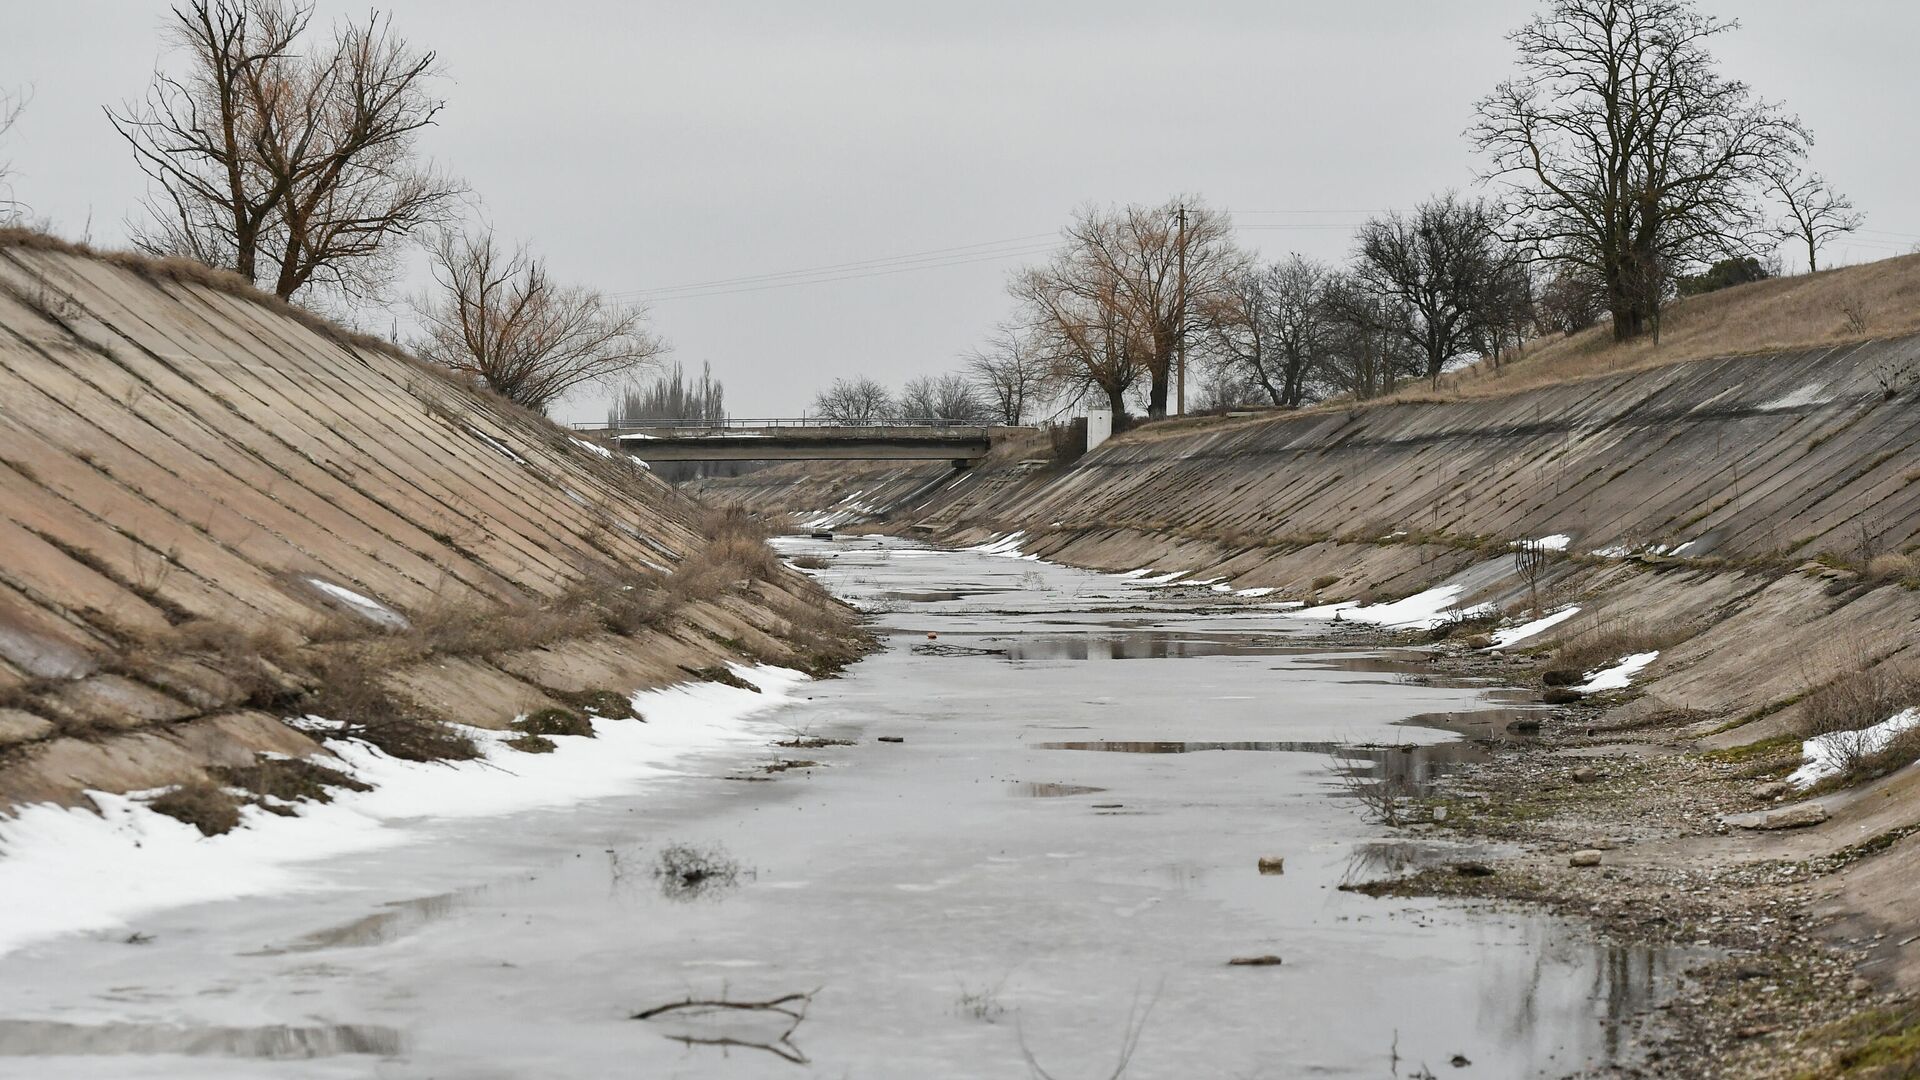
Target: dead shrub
<point>201,805</point>
<point>1464,624</point>
<point>603,703</point>
<point>687,872</point>
<point>554,722</point>
<point>288,779</point>
<point>481,629</point>
<point>812,562</point>
<point>1840,709</point>
<point>532,744</point>
<point>352,692</point>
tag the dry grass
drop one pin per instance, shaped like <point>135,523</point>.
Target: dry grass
<point>1862,695</point>
<point>1853,303</point>
<point>201,805</point>
<point>1608,642</point>
<point>288,779</point>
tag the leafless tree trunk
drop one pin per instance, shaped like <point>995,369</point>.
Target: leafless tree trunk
<point>1815,212</point>
<point>1081,333</point>
<point>1625,153</point>
<point>293,169</point>
<point>499,318</point>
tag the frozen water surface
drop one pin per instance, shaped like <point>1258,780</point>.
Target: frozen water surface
<point>989,887</point>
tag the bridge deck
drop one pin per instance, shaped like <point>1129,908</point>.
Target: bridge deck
<point>807,441</point>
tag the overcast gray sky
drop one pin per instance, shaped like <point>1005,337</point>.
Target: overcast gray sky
<point>646,145</point>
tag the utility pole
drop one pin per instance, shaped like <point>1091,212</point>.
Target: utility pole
<point>1180,332</point>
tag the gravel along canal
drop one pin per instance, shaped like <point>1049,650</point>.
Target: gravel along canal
<point>1064,823</point>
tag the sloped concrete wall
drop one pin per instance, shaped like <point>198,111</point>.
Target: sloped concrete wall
<point>174,453</point>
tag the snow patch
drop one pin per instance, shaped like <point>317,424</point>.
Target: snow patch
<point>68,870</point>
<point>1421,611</point>
<point>1556,542</point>
<point>1826,755</point>
<point>1798,397</point>
<point>1007,546</point>
<point>372,610</point>
<point>1504,638</point>
<point>1619,676</point>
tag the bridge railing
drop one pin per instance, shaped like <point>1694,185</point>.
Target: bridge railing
<point>735,422</point>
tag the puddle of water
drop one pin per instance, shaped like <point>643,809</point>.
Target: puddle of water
<point>1130,645</point>
<point>47,1038</point>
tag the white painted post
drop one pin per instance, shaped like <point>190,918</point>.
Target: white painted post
<point>1099,427</point>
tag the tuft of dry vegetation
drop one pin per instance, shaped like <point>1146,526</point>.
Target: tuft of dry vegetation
<point>287,779</point>
<point>201,805</point>
<point>1607,642</point>
<point>550,722</point>
<point>532,744</point>
<point>1866,693</point>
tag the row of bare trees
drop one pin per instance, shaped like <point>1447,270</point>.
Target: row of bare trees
<point>954,398</point>
<point>1622,161</point>
<point>289,156</point>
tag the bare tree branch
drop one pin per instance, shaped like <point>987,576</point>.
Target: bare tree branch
<point>1815,212</point>
<point>499,318</point>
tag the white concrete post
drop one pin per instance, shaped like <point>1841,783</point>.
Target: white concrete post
<point>1099,427</point>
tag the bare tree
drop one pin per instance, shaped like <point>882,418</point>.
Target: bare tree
<point>1625,153</point>
<point>1569,302</point>
<point>291,168</point>
<point>1270,326</point>
<point>498,317</point>
<point>855,401</point>
<point>949,397</point>
<point>1080,333</point>
<point>1438,268</point>
<point>1151,267</point>
<point>11,105</point>
<point>1815,212</point>
<point>1009,373</point>
<point>1368,347</point>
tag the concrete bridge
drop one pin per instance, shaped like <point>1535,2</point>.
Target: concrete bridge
<point>800,439</point>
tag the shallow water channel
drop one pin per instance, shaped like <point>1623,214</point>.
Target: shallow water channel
<point>1057,859</point>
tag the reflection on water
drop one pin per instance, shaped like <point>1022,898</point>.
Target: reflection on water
<point>397,921</point>
<point>1053,791</point>
<point>38,1038</point>
<point>1133,645</point>
<point>1160,747</point>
